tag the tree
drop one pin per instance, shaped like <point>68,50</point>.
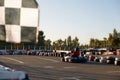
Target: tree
<point>48,44</point>
<point>105,42</point>
<point>54,46</point>
<point>115,34</point>
<point>41,39</point>
<point>110,40</point>
<point>65,44</point>
<point>60,43</point>
<point>75,42</point>
<point>2,44</point>
<point>97,43</point>
<point>115,39</point>
<point>92,43</point>
<point>69,43</point>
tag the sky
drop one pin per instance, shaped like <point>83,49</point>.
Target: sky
<point>84,19</point>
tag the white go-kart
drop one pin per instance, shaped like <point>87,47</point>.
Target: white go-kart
<point>7,73</point>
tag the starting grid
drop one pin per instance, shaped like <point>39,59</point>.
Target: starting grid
<point>109,59</point>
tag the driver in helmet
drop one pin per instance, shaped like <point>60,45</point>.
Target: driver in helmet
<point>74,53</point>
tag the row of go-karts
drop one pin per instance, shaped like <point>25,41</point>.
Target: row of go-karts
<point>109,59</point>
<point>92,58</point>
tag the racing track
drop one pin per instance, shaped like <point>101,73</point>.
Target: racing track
<point>50,68</point>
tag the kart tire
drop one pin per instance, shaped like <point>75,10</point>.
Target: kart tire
<point>69,60</point>
<point>62,59</point>
<point>116,63</point>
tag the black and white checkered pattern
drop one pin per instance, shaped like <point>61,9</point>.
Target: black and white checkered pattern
<point>19,20</point>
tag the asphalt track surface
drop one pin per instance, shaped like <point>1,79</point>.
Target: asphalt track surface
<point>51,68</point>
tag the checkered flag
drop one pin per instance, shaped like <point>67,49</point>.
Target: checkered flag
<point>19,20</point>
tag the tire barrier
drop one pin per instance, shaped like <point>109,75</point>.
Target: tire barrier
<point>83,59</point>
<point>97,59</point>
<point>117,61</point>
<point>91,58</point>
<point>103,60</point>
<point>110,59</point>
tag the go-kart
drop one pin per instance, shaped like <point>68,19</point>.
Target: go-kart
<point>74,59</point>
<point>7,73</point>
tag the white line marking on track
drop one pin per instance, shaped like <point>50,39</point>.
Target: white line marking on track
<point>49,67</point>
<point>69,67</point>
<point>49,59</point>
<point>14,60</point>
<point>69,78</point>
<point>113,71</point>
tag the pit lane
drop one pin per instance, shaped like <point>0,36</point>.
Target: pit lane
<point>51,68</point>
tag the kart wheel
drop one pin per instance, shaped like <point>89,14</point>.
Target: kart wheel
<point>62,59</point>
<point>116,63</point>
<point>69,60</point>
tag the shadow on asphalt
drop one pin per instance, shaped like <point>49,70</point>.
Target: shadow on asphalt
<point>38,73</point>
<point>97,63</point>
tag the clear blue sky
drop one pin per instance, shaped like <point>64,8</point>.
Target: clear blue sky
<point>82,18</point>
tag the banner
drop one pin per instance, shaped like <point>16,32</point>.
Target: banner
<point>19,20</point>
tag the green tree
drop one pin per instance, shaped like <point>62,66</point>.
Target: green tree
<point>115,33</point>
<point>54,46</point>
<point>65,44</point>
<point>105,42</point>
<point>48,44</point>
<point>110,40</point>
<point>2,44</point>
<point>97,43</point>
<point>60,44</point>
<point>75,42</point>
<point>41,39</point>
<point>92,43</point>
<point>115,39</point>
<point>69,43</point>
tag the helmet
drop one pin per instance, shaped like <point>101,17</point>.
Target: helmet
<point>77,49</point>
